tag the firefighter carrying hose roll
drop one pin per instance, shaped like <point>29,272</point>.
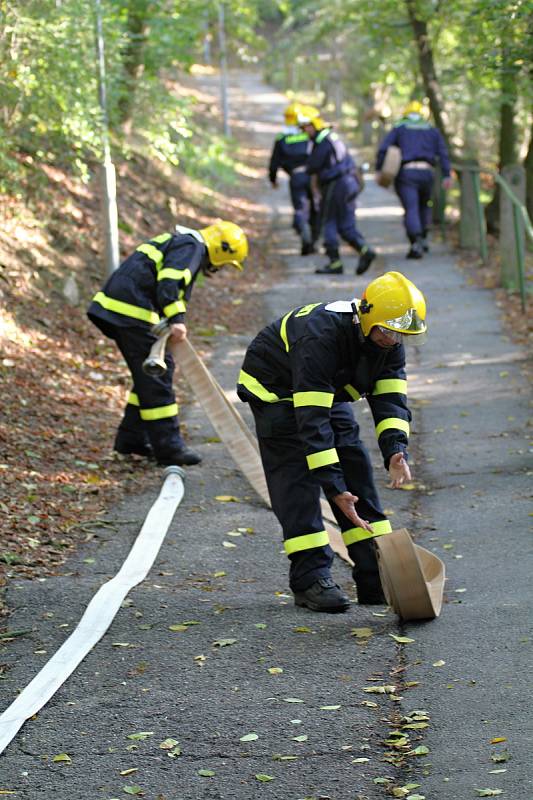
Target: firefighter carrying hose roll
<point>299,375</point>
<point>155,283</point>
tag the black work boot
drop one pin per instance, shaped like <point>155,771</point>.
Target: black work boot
<point>307,240</point>
<point>365,259</point>
<point>369,589</point>
<point>335,264</point>
<point>323,595</point>
<point>130,444</point>
<point>417,249</point>
<point>425,243</point>
<point>182,456</point>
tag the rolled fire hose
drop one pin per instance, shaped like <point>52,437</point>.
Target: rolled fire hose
<point>100,612</point>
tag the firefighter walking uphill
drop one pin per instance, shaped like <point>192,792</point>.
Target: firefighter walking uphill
<point>299,376</point>
<point>153,284</point>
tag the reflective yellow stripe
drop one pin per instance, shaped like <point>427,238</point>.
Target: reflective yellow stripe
<point>256,388</point>
<point>126,309</point>
<point>283,330</point>
<point>163,237</point>
<point>389,385</point>
<point>152,252</point>
<point>322,459</point>
<point>179,307</point>
<point>392,422</point>
<point>359,534</point>
<point>323,399</point>
<point>354,394</point>
<point>307,542</point>
<point>151,414</point>
<point>303,312</point>
<point>133,399</point>
<point>175,275</point>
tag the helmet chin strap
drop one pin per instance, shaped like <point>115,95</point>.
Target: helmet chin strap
<point>356,323</point>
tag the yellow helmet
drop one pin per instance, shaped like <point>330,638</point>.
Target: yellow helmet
<point>393,302</point>
<point>291,114</point>
<point>308,115</point>
<point>414,107</point>
<point>226,244</point>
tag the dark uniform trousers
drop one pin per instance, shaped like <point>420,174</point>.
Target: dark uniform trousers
<point>414,188</point>
<point>300,190</point>
<point>339,214</point>
<point>154,395</point>
<point>295,491</point>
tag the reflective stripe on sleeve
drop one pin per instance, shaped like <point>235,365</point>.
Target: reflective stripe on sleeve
<point>322,459</point>
<point>152,252</point>
<point>256,388</point>
<point>306,542</point>
<point>283,331</point>
<point>323,399</point>
<point>163,412</point>
<point>389,386</point>
<point>133,399</point>
<point>360,534</point>
<point>354,394</point>
<point>163,237</point>
<point>126,309</point>
<point>184,275</point>
<point>179,307</point>
<point>392,422</point>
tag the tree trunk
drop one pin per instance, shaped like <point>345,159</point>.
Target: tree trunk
<point>507,145</point>
<point>132,59</point>
<point>427,69</point>
<point>528,166</point>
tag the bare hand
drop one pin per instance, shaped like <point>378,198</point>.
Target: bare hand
<point>178,332</point>
<point>346,502</point>
<point>399,470</point>
<point>447,183</point>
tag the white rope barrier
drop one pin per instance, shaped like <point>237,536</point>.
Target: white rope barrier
<point>100,612</point>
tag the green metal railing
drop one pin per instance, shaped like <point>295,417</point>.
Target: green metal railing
<point>519,214</point>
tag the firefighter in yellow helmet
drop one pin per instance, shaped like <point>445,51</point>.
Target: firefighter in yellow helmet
<point>422,146</point>
<point>153,284</point>
<point>339,184</point>
<point>299,376</point>
<point>289,153</point>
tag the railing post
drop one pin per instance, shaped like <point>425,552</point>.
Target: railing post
<point>512,233</point>
<point>470,231</point>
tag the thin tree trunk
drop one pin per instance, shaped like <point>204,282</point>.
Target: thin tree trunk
<point>528,166</point>
<point>133,59</point>
<point>427,69</point>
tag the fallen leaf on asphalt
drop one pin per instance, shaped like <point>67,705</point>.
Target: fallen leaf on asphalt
<point>381,780</point>
<point>275,670</point>
<point>233,533</point>
<point>408,487</point>
<point>125,772</point>
<point>379,689</point>
<point>489,792</point>
<point>62,757</point>
<point>168,744</point>
<point>360,760</point>
<point>302,629</point>
<point>292,700</point>
<point>249,737</point>
<point>361,633</point>
<point>401,639</point>
<point>416,725</point>
<point>280,757</point>
<point>302,738</point>
<point>264,778</point>
<point>499,758</point>
<point>224,642</point>
<point>132,790</point>
<point>439,663</point>
<point>206,773</point>
<point>140,735</point>
<point>227,498</point>
<point>218,574</point>
<point>369,703</point>
<point>498,739</point>
<point>260,625</point>
<point>496,771</point>
<point>228,544</point>
<point>421,750</point>
<point>329,708</point>
<point>178,628</point>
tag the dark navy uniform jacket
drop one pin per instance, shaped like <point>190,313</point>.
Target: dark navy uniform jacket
<point>154,282</point>
<point>418,141</point>
<point>329,159</point>
<point>290,150</point>
<point>313,357</point>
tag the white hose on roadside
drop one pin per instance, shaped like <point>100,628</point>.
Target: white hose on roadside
<point>100,612</point>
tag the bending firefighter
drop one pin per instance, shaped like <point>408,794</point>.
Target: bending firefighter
<point>339,185</point>
<point>290,153</point>
<point>299,376</point>
<point>153,283</point>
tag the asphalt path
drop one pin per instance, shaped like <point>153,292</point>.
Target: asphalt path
<point>244,661</point>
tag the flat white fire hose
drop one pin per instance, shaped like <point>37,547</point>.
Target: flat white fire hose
<point>100,612</point>
<point>235,433</point>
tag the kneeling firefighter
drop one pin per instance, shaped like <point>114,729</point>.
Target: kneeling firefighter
<point>153,284</point>
<point>299,376</point>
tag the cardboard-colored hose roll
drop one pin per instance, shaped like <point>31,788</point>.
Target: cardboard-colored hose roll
<point>412,577</point>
